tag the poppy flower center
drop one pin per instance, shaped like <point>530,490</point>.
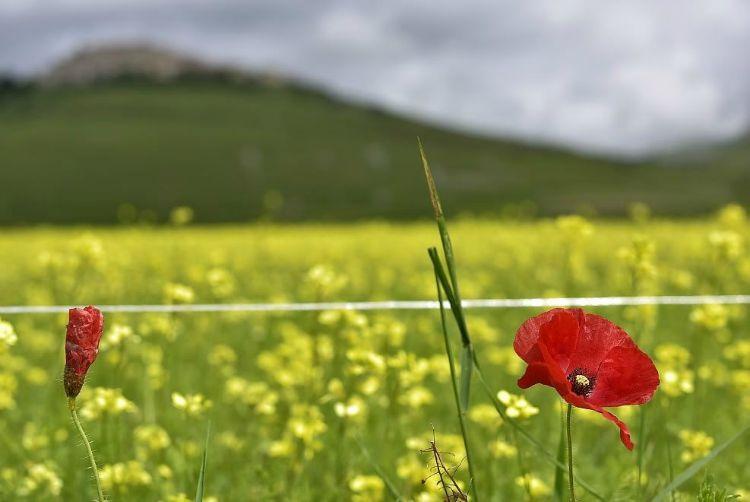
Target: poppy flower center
<point>582,383</point>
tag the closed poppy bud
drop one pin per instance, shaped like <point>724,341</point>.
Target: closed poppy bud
<point>81,346</point>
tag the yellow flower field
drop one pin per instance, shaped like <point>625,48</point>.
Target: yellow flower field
<point>326,405</point>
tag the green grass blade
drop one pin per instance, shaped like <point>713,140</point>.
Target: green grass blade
<point>559,493</point>
<point>434,197</point>
<point>465,379</point>
<point>380,472</point>
<point>450,286</point>
<point>445,239</point>
<point>691,471</point>
<point>461,410</point>
<point>201,488</point>
<point>467,354</point>
<point>455,304</point>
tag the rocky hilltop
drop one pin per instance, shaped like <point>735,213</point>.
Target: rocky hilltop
<point>137,60</point>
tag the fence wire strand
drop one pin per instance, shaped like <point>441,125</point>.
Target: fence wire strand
<point>488,303</point>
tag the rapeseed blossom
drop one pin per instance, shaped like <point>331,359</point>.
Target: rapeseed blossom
<point>673,362</point>
<point>102,401</point>
<point>516,406</point>
<point>354,409</point>
<point>193,405</point>
<point>124,476</point>
<point>8,335</point>
<point>366,488</point>
<point>696,445</point>
<point>486,416</point>
<point>151,438</point>
<point>175,293</point>
<point>118,335</point>
<point>40,480</point>
<point>534,484</point>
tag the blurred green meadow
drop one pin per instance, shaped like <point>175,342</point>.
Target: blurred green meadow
<point>131,150</point>
<point>293,397</point>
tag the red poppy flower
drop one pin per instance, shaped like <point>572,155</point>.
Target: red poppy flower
<point>591,363</point>
<point>81,346</point>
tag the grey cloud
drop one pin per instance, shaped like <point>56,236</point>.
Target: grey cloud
<point>626,78</point>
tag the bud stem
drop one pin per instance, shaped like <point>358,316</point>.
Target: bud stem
<point>77,422</point>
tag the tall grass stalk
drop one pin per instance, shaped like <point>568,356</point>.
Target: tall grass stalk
<point>449,352</point>
<point>493,397</point>
<point>469,359</point>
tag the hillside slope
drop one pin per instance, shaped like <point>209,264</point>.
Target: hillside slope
<point>239,151</point>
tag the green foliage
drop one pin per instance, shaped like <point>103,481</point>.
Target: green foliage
<point>710,492</point>
<point>233,152</point>
<point>696,467</point>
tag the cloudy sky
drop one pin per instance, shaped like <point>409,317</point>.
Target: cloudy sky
<point>609,76</point>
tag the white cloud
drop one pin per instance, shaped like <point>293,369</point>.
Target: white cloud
<point>621,77</point>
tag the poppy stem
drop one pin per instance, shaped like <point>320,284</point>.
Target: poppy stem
<point>571,483</point>
<point>87,443</point>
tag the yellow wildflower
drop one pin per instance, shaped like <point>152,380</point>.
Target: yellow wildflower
<point>697,444</point>
<point>516,406</point>
<point>8,335</point>
<point>193,405</point>
<point>151,437</point>
<point>100,401</point>
<point>535,485</point>
<point>41,480</point>
<point>366,488</point>
<point>175,293</point>
<point>485,415</point>
<point>124,475</point>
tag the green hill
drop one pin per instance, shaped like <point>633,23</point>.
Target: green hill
<point>240,151</point>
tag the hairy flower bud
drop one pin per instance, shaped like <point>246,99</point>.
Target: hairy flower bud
<point>81,346</point>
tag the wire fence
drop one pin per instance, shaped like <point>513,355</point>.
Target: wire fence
<point>489,303</point>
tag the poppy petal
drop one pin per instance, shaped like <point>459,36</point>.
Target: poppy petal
<point>557,377</point>
<point>624,432</point>
<point>545,372</point>
<point>535,373</point>
<point>580,402</point>
<point>626,376</point>
<point>560,336</point>
<point>596,339</point>
<point>529,333</point>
